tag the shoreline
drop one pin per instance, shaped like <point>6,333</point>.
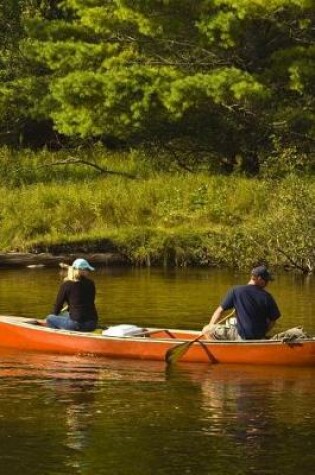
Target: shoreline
<point>46,259</point>
<point>102,259</point>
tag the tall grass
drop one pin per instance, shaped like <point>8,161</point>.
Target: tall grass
<point>157,218</point>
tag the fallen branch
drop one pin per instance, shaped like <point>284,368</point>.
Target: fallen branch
<point>305,265</point>
<point>79,161</point>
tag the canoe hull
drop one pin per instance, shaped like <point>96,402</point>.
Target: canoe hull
<point>21,334</point>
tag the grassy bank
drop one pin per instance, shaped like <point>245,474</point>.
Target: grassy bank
<point>170,218</point>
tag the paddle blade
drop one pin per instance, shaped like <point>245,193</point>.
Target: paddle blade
<point>174,354</point>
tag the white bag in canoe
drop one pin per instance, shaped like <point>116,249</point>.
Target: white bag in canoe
<point>123,330</point>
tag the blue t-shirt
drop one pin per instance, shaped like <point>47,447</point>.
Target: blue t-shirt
<point>254,307</point>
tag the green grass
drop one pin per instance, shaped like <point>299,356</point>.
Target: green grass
<point>157,218</point>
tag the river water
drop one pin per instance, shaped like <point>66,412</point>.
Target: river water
<point>81,415</point>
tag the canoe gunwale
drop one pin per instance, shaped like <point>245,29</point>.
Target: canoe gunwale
<point>25,322</point>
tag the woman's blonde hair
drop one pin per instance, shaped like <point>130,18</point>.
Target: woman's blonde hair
<point>73,274</point>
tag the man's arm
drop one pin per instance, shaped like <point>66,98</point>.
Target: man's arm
<point>274,313</point>
<point>216,317</point>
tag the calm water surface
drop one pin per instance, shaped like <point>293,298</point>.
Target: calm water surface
<point>80,415</point>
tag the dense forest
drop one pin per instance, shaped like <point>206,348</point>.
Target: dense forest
<point>229,82</point>
<point>138,90</point>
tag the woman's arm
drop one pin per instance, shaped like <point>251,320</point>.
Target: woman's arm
<point>61,298</point>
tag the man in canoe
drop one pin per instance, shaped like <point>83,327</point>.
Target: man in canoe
<point>77,293</point>
<point>255,310</point>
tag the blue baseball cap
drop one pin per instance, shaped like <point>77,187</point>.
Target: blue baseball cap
<point>263,272</point>
<point>82,264</point>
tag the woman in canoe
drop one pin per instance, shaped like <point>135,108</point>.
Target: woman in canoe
<point>77,293</point>
<point>256,311</point>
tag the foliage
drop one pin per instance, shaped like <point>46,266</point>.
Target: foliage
<point>286,161</point>
<point>26,167</point>
<point>216,82</point>
<point>291,222</point>
<point>159,218</point>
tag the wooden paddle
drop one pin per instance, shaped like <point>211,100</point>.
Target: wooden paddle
<point>174,354</point>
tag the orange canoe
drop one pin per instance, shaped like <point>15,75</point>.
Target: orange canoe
<point>24,334</point>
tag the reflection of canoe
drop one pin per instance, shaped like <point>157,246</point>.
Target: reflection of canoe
<point>22,334</point>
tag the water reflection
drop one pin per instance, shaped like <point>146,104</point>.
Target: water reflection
<point>86,415</point>
<point>260,418</point>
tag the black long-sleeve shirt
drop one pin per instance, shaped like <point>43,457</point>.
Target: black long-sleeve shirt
<point>80,297</point>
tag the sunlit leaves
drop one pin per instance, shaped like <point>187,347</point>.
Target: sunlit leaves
<point>118,102</point>
<point>227,87</point>
<point>167,71</point>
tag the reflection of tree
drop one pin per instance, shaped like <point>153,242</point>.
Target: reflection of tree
<point>253,408</point>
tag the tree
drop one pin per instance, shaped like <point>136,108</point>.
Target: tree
<point>218,81</point>
<point>21,87</point>
<point>10,33</point>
